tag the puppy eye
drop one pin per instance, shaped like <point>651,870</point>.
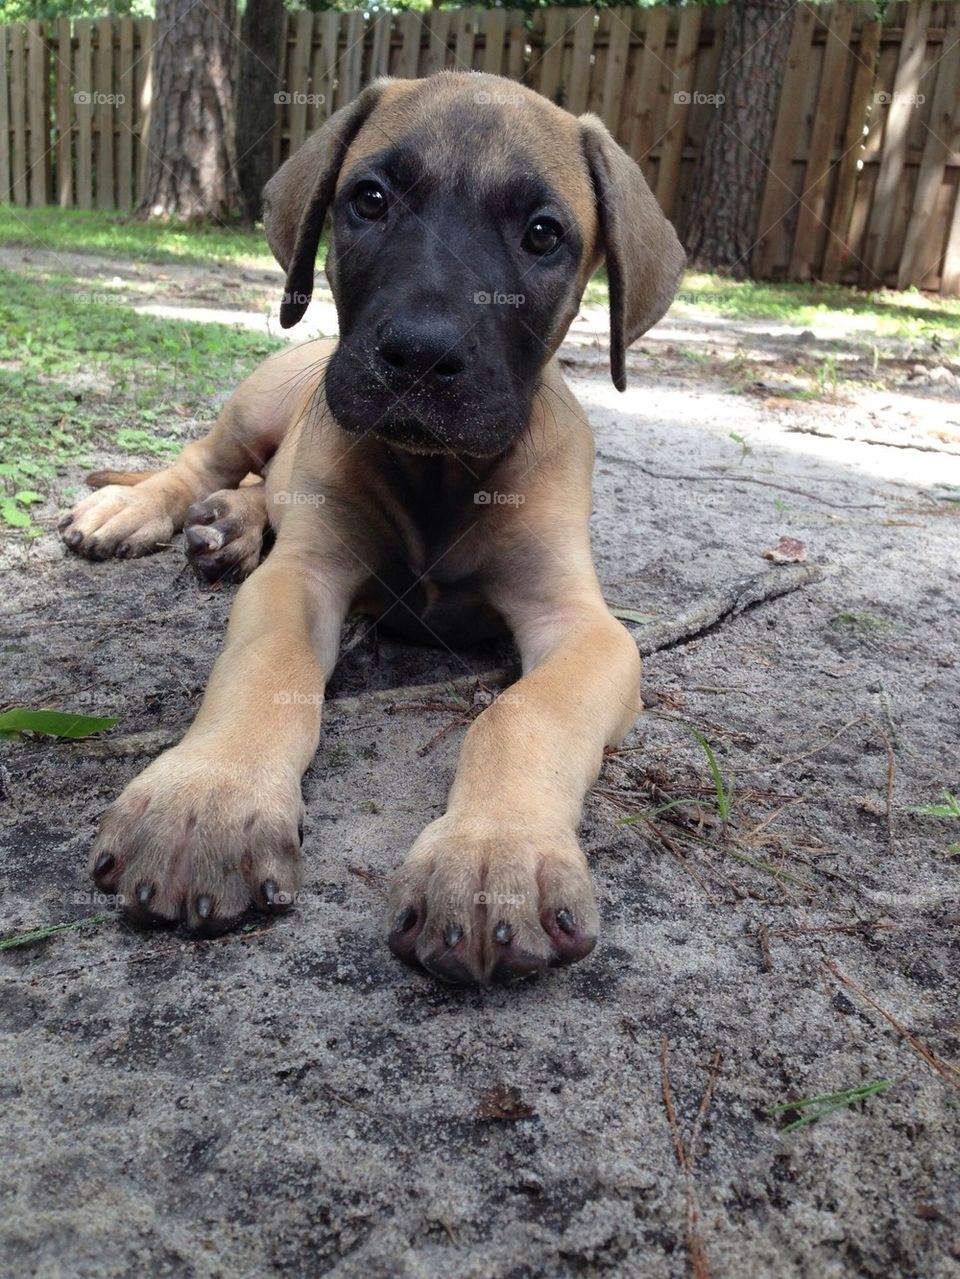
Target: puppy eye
<point>369,202</point>
<point>542,236</point>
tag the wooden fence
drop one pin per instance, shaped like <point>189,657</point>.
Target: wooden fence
<point>864,170</point>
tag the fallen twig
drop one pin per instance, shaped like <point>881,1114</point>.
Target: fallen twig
<point>743,479</point>
<point>950,1073</point>
<point>687,1155</point>
<point>729,602</point>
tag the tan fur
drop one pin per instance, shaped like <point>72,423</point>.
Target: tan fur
<point>215,819</point>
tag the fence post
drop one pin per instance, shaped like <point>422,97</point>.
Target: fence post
<point>4,120</point>
<point>63,120</point>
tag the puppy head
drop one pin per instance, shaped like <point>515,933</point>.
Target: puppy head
<point>468,214</point>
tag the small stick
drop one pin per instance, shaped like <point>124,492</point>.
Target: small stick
<point>732,600</point>
<point>668,1103</point>
<point>950,1073</point>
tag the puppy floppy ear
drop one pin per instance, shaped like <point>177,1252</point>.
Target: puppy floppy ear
<point>644,257</point>
<point>296,198</point>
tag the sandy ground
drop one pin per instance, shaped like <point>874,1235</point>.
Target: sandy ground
<point>289,1099</point>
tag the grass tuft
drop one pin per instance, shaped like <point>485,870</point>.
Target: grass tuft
<point>817,1107</point>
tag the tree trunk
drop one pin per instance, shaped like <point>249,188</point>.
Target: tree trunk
<point>258,82</point>
<point>732,173</point>
<point>190,143</point>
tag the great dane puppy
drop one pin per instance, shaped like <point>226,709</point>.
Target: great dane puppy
<point>431,468</point>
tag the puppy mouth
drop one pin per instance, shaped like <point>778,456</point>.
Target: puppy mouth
<point>410,433</point>
<point>472,418</point>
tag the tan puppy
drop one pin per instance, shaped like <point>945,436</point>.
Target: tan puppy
<point>433,470</point>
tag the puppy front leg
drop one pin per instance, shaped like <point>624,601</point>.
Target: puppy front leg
<point>215,824</point>
<point>498,887</point>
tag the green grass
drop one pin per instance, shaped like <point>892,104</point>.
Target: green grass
<point>949,808</point>
<point>139,377</point>
<point>14,723</point>
<point>814,1108</point>
<point>50,930</point>
<point>119,235</point>
<point>860,623</point>
<point>830,309</point>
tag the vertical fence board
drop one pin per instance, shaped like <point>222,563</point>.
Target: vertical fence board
<point>380,51</point>
<point>435,58</point>
<point>950,276</point>
<point>143,88</point>
<point>411,31</point>
<point>820,167</point>
<point>5,121</point>
<point>18,113</point>
<point>778,192</point>
<point>517,52</point>
<point>678,109</point>
<point>63,113</point>
<point>104,111</point>
<point>578,89</point>
<point>922,250</point>
<point>38,114</point>
<point>615,71</point>
<point>298,77</point>
<point>465,25</point>
<point>838,248</point>
<point>350,62</point>
<point>495,38</point>
<point>641,135</point>
<point>83,103</point>
<point>893,153</point>
<point>548,66</point>
<point>325,58</point>
<point>125,84</point>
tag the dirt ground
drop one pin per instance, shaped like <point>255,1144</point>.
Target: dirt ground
<point>289,1099</point>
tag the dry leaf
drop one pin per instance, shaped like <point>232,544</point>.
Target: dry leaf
<point>787,551</point>
<point>503,1103</point>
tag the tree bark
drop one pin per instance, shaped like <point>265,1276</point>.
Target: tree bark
<point>733,166</point>
<point>258,81</point>
<point>190,143</point>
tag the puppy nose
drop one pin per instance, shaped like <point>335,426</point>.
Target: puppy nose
<point>431,349</point>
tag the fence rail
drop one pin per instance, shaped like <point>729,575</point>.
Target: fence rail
<point>864,170</point>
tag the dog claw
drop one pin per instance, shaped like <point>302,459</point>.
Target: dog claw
<point>405,920</point>
<point>453,935</point>
<point>503,933</point>
<point>566,921</point>
<point>204,906</point>
<point>145,892</point>
<point>104,863</point>
<point>269,890</point>
<point>201,513</point>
